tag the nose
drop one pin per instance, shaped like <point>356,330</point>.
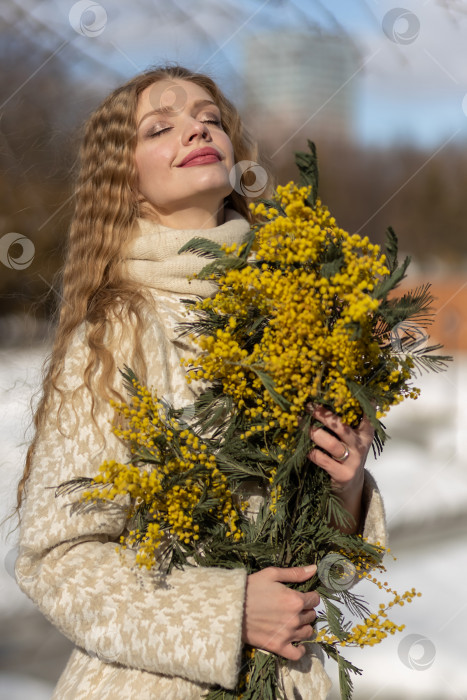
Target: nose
<point>194,130</point>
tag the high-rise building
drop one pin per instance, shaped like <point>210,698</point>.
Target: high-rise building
<point>296,79</point>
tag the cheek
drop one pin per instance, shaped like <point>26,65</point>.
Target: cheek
<point>225,144</point>
<point>141,166</point>
<point>229,152</point>
<point>150,164</point>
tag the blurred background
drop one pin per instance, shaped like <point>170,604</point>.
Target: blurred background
<point>382,91</point>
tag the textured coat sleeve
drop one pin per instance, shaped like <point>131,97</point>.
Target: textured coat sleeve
<point>373,524</point>
<point>70,567</point>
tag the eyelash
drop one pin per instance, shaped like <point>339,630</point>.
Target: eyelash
<point>217,122</point>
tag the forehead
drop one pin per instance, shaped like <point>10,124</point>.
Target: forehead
<point>174,94</point>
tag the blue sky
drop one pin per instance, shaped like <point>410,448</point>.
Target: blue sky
<point>413,76</point>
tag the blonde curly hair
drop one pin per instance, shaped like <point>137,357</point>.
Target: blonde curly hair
<point>106,207</point>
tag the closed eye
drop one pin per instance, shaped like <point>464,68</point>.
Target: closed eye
<point>215,121</point>
<point>151,134</point>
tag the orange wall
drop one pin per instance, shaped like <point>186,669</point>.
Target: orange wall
<point>449,326</point>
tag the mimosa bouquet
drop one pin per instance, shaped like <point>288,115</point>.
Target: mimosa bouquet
<point>304,315</point>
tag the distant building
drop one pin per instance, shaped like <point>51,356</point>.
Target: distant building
<point>295,79</point>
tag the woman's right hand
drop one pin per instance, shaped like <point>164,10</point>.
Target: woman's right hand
<point>275,615</point>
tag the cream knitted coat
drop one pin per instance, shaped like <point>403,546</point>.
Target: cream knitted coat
<point>137,639</point>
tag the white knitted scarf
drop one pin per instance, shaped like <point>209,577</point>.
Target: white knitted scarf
<point>152,257</point>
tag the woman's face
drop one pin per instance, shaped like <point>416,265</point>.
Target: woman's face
<point>183,155</point>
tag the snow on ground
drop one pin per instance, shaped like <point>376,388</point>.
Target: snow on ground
<point>20,373</point>
<point>422,475</point>
<point>15,687</point>
<point>422,471</point>
<point>427,659</point>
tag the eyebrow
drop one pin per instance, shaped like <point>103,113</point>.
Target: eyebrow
<point>168,109</point>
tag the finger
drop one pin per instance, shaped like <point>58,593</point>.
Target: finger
<point>363,432</point>
<point>333,422</point>
<point>303,633</point>
<point>310,600</point>
<point>326,416</point>
<point>295,574</point>
<point>326,461</point>
<point>307,618</point>
<point>293,653</point>
<point>324,440</point>
<point>338,471</point>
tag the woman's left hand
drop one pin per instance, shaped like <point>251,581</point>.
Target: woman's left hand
<point>347,451</point>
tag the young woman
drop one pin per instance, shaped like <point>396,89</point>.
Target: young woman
<point>156,164</point>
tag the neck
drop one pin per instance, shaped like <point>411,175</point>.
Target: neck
<point>191,217</point>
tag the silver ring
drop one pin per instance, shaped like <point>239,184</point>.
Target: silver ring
<point>345,455</point>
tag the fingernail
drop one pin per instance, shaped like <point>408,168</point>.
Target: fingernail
<point>310,569</point>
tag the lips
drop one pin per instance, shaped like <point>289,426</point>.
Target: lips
<point>200,156</point>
